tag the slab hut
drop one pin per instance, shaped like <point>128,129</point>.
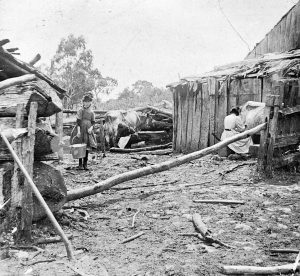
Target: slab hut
<point>202,102</point>
<point>23,105</point>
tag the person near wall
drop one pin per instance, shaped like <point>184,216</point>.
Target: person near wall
<point>233,125</point>
<point>83,131</point>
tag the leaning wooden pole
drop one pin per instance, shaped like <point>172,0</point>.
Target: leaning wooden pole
<point>40,199</point>
<point>117,179</point>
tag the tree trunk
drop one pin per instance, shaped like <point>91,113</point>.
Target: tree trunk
<point>115,180</point>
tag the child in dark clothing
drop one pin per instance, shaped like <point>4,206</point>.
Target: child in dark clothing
<point>83,131</point>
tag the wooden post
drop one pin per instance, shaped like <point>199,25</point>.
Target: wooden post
<point>264,137</point>
<point>265,162</point>
<point>21,194</point>
<point>59,132</point>
<point>1,187</point>
<point>17,179</point>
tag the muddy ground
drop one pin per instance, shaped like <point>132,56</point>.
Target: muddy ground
<point>269,219</point>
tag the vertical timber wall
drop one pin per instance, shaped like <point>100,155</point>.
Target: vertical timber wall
<point>201,106</point>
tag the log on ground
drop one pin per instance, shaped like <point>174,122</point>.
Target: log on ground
<point>141,149</point>
<point>121,178</point>
<point>254,270</point>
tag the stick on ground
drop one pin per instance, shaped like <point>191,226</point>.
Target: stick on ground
<point>218,201</point>
<point>134,216</point>
<point>133,237</point>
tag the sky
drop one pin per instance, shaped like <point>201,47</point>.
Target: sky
<point>155,40</point>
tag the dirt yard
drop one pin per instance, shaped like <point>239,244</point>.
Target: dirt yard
<point>163,204</point>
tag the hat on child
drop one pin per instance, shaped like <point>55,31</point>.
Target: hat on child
<point>88,97</point>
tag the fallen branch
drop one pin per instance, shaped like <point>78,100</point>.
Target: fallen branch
<point>40,261</point>
<point>254,270</point>
<point>133,237</point>
<point>121,178</point>
<point>218,201</point>
<point>284,250</point>
<point>118,150</point>
<point>196,184</point>
<point>133,219</point>
<point>235,167</point>
<point>51,240</point>
<point>205,232</point>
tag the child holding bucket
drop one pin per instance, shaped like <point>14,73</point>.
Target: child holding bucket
<point>83,131</point>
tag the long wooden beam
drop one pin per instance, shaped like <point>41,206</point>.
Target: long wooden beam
<point>117,179</point>
<point>17,80</point>
<point>70,111</point>
<point>22,66</point>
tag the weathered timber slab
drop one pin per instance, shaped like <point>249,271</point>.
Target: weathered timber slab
<point>25,94</point>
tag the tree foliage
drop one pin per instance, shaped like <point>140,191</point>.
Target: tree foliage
<point>140,94</point>
<point>72,68</point>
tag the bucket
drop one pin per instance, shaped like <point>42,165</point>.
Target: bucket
<point>78,150</point>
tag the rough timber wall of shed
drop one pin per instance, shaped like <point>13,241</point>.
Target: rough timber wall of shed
<point>285,35</point>
<point>201,106</point>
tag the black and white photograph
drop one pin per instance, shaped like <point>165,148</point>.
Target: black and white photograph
<point>149,137</point>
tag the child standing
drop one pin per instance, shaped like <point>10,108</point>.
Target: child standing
<point>83,131</point>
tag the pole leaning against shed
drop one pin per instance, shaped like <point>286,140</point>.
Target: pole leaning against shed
<point>164,166</point>
<point>57,227</point>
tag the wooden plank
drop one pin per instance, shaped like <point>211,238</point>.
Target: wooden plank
<point>233,93</point>
<point>175,117</point>
<point>272,135</point>
<point>184,118</point>
<point>212,109</point>
<point>17,182</point>
<point>28,157</point>
<point>204,117</point>
<point>196,116</point>
<point>190,116</point>
<point>297,26</point>
<point>179,123</point>
<point>267,87</point>
<point>222,107</point>
<point>60,132</point>
<point>199,112</point>
<point>26,94</point>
